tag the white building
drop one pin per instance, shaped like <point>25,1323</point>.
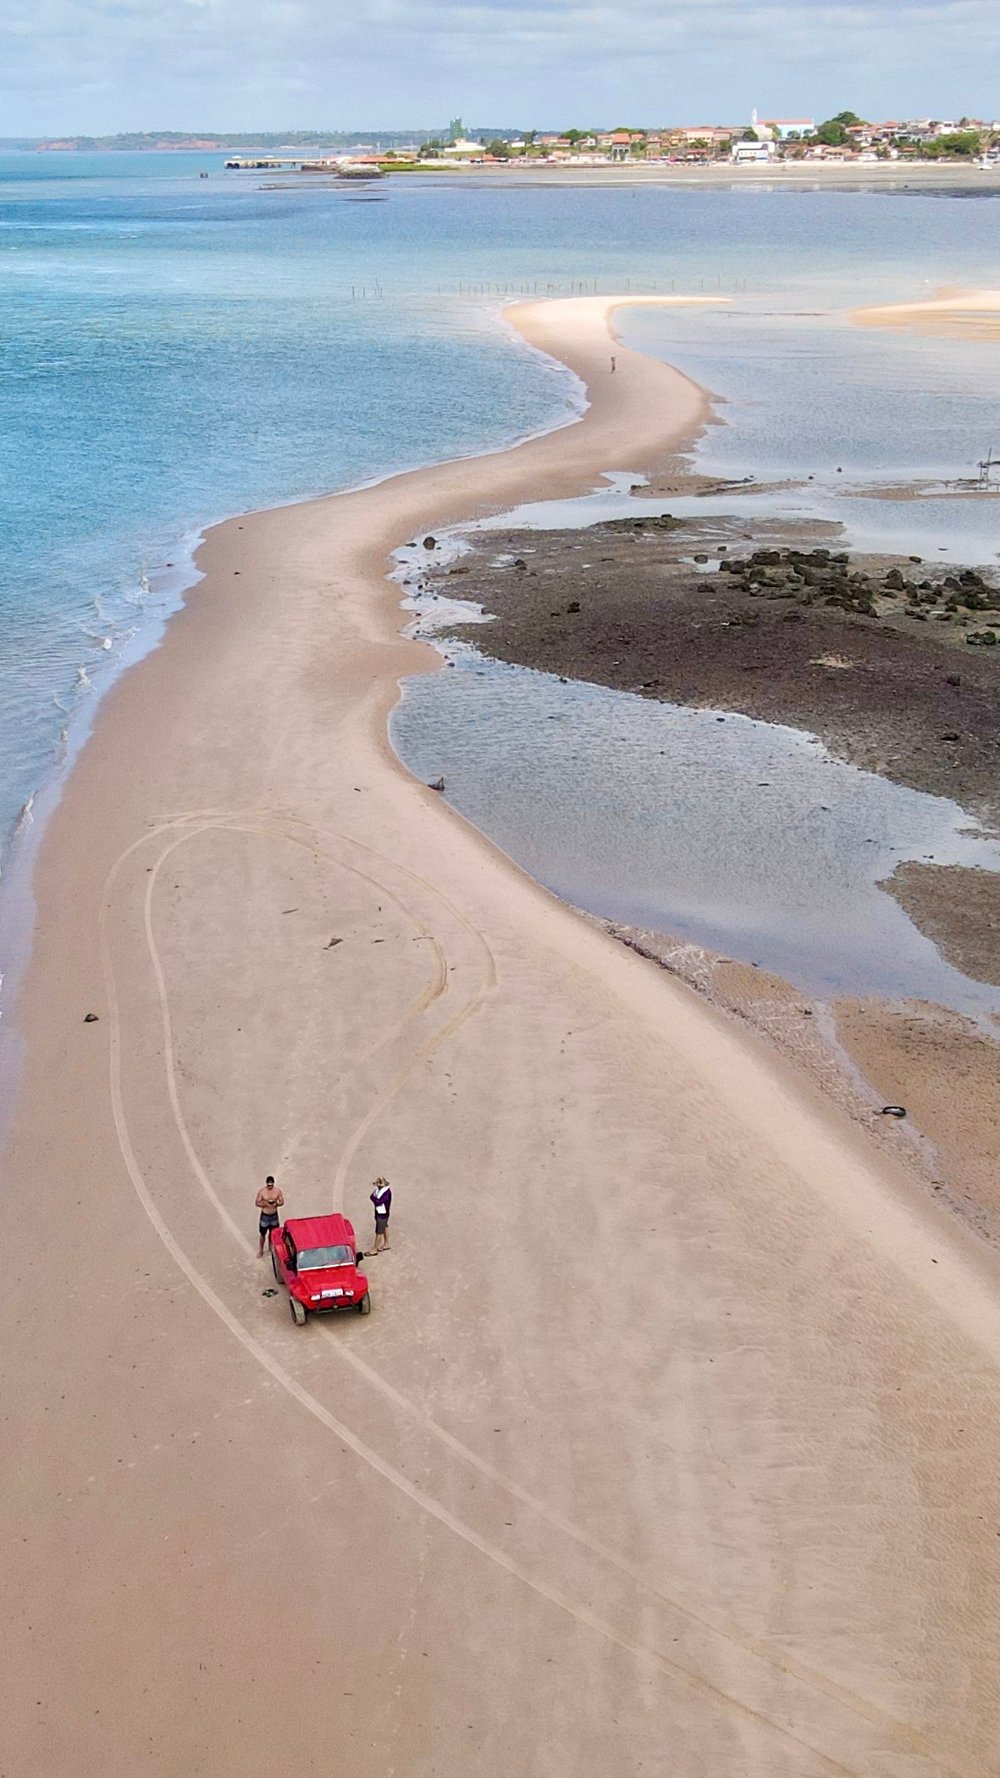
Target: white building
<point>753,153</point>
<point>464,148</point>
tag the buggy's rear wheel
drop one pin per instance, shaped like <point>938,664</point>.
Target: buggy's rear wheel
<point>274,1263</point>
<point>365,1305</point>
<point>297,1311</point>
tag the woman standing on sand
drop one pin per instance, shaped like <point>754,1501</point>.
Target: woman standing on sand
<point>381,1197</point>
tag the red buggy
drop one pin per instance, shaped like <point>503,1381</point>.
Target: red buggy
<point>316,1259</point>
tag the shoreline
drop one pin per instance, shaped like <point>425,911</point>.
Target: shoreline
<point>171,585</point>
<point>25,843</point>
<point>780,1292</point>
<point>884,176</point>
<point>861,1053</point>
<point>170,588</point>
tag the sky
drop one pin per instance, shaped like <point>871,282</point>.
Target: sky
<point>97,66</point>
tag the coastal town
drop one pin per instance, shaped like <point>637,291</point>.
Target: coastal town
<point>844,138</point>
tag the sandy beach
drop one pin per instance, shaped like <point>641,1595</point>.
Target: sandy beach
<point>671,1443</point>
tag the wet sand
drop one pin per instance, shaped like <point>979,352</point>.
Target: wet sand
<point>958,908</point>
<point>945,1070</point>
<point>671,1442</point>
<point>864,1054</point>
<point>897,178</point>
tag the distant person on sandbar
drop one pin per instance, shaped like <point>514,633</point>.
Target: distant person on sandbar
<point>613,364</point>
<point>381,1197</point>
<point>269,1201</point>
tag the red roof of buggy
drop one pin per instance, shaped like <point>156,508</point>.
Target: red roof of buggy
<point>320,1231</point>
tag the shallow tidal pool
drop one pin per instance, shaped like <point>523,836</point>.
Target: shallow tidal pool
<point>742,836</point>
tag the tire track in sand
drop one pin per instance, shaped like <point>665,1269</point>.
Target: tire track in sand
<point>192,829</point>
<point>226,821</point>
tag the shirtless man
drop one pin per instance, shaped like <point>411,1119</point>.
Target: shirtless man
<point>269,1201</point>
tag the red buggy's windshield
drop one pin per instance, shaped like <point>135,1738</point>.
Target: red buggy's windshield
<point>316,1259</point>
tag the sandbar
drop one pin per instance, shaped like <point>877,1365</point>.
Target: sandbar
<point>952,314</point>
<point>671,1442</point>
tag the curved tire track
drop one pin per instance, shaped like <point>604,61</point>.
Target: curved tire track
<point>192,825</point>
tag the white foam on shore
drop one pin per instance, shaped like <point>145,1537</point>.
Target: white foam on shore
<point>113,654</point>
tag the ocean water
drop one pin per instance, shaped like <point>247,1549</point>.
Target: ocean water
<point>175,348</point>
<point>173,351</point>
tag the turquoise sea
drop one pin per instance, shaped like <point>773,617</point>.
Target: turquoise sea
<point>175,348</point>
